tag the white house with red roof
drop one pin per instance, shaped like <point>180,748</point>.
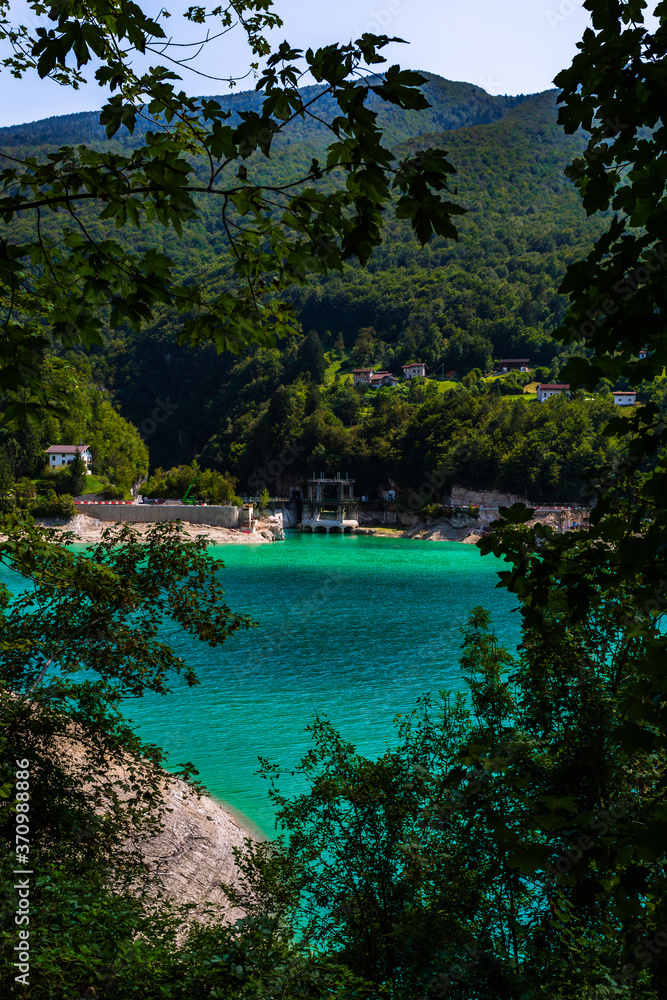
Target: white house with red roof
<point>627,397</point>
<point>414,369</point>
<point>545,392</point>
<point>59,455</point>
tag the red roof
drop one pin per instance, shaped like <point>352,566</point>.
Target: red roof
<point>625,392</point>
<point>563,386</point>
<point>514,361</point>
<point>66,449</point>
<point>357,371</point>
<point>412,364</point>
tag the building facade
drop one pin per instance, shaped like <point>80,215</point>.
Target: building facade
<point>383,378</point>
<point>59,455</point>
<point>414,369</point>
<point>545,392</point>
<point>513,364</point>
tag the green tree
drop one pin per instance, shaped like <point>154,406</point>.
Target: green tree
<point>339,346</point>
<point>365,346</point>
<point>617,301</point>
<point>78,470</point>
<point>6,478</point>
<point>485,854</point>
<point>83,635</point>
<point>64,282</point>
<point>311,355</point>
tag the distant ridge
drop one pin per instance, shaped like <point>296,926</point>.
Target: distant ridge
<point>453,105</point>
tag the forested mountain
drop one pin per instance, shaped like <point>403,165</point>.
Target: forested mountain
<point>494,293</point>
<point>453,105</point>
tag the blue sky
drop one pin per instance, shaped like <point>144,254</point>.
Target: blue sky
<point>515,46</point>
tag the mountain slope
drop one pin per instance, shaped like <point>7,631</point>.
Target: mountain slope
<point>455,305</point>
<point>495,292</point>
<point>453,105</point>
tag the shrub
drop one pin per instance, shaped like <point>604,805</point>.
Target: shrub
<point>113,492</point>
<point>52,505</point>
<point>62,481</point>
<point>209,486</point>
<point>24,492</point>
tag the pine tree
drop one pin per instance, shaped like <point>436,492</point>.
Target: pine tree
<point>78,471</point>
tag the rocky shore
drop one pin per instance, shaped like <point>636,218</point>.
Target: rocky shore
<point>193,854</point>
<point>462,528</point>
<point>439,531</point>
<point>89,530</point>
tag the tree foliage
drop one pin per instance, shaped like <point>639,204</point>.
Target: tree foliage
<point>63,285</point>
<point>614,90</point>
<point>488,853</point>
<point>511,845</point>
<point>80,631</point>
<point>208,485</point>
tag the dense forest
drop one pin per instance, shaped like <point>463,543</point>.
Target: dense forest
<point>454,305</point>
<point>87,416</point>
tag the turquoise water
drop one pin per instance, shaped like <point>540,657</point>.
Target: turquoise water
<point>352,627</point>
<point>355,628</point>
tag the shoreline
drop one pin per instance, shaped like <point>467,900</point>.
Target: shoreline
<point>89,530</point>
<point>190,854</point>
<point>424,532</point>
<point>248,826</point>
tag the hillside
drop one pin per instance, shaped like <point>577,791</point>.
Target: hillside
<point>495,292</point>
<point>453,105</point>
<point>454,305</point>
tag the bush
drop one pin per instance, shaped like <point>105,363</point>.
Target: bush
<point>208,486</point>
<point>113,492</point>
<point>62,481</point>
<point>52,505</point>
<point>24,492</point>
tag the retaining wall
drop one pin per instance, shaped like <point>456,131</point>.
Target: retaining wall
<point>484,498</point>
<point>221,517</point>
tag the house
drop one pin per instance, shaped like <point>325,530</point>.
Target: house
<point>362,375</point>
<point>414,369</point>
<point>628,397</point>
<point>383,378</point>
<point>545,392</point>
<point>513,364</point>
<point>64,454</point>
<point>643,354</point>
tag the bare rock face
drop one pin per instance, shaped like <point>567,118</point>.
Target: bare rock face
<point>192,855</point>
<point>189,852</point>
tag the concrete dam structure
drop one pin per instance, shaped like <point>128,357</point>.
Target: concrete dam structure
<point>329,505</point>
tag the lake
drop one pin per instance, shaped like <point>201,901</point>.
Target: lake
<point>355,628</point>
